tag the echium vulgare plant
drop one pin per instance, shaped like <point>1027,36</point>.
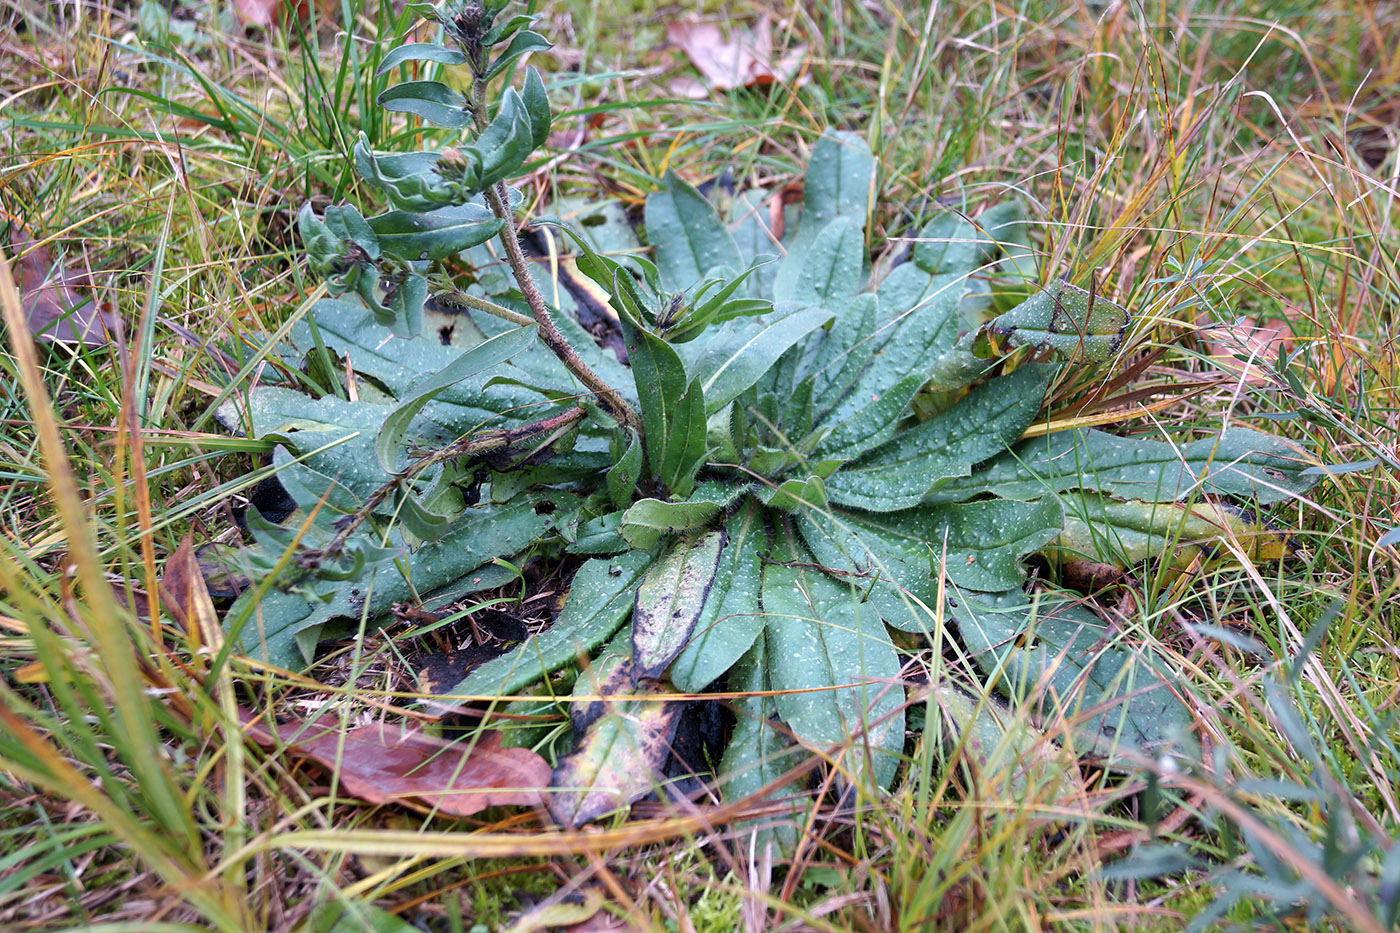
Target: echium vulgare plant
<point>798,457</point>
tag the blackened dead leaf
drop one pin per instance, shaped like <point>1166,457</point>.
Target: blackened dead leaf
<point>620,757</point>
<point>382,763</point>
<point>742,59</point>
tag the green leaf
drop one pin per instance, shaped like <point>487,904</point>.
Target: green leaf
<point>866,416</point>
<point>284,626</point>
<point>624,474</point>
<point>520,44</point>
<point>420,521</point>
<point>509,28</point>
<point>599,601</point>
<point>832,653</point>
<point>1068,319</point>
<point>649,519</point>
<point>1064,659</point>
<point>536,107</point>
<point>434,234</point>
<point>1238,462</point>
<point>507,142</point>
<point>856,428</point>
<point>1008,758</point>
<point>731,619</point>
<point>831,269</point>
<point>432,100</point>
<point>978,545</point>
<point>950,243</point>
<point>982,424</point>
<point>419,52</point>
<point>687,235</point>
<point>599,536</point>
<point>684,450</point>
<point>840,182</point>
<point>661,382</point>
<point>492,353</point>
<point>670,599</point>
<point>759,752</point>
<point>735,362</point>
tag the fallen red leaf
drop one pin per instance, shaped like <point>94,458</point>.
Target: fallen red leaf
<point>53,307</point>
<point>383,763</point>
<point>742,59</point>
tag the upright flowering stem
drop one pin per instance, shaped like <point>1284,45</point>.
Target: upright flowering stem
<point>466,32</point>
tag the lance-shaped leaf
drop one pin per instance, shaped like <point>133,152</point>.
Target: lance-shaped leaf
<point>735,361</point>
<point>673,413</point>
<point>1237,462</point>
<point>626,470</point>
<point>670,599</point>
<point>687,235</point>
<point>1007,756</point>
<point>868,414</point>
<point>435,234</point>
<point>1047,650</point>
<point>492,353</point>
<point>830,650</point>
<point>831,268</point>
<point>282,628</point>
<point>536,107</point>
<point>840,182</point>
<point>950,243</point>
<point>507,141</point>
<point>419,52</point>
<point>982,424</point>
<point>599,601</point>
<point>731,620</point>
<point>649,519</point>
<point>978,545</point>
<point>760,751</point>
<point>521,43</point>
<point>1125,533</point>
<point>1066,318</point>
<point>619,759</point>
<point>431,100</point>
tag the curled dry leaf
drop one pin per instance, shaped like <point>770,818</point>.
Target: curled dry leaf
<point>742,59</point>
<point>382,763</point>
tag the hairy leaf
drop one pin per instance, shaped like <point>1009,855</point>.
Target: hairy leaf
<point>687,235</point>
<point>493,352</point>
<point>670,599</point>
<point>900,473</point>
<point>1238,462</point>
<point>731,619</point>
<point>419,52</point>
<point>600,600</point>
<point>1047,650</point>
<point>831,651</point>
<point>435,234</point>
<point>432,100</point>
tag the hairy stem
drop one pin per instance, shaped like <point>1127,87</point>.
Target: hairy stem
<point>496,199</point>
<point>464,300</point>
<point>474,446</point>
